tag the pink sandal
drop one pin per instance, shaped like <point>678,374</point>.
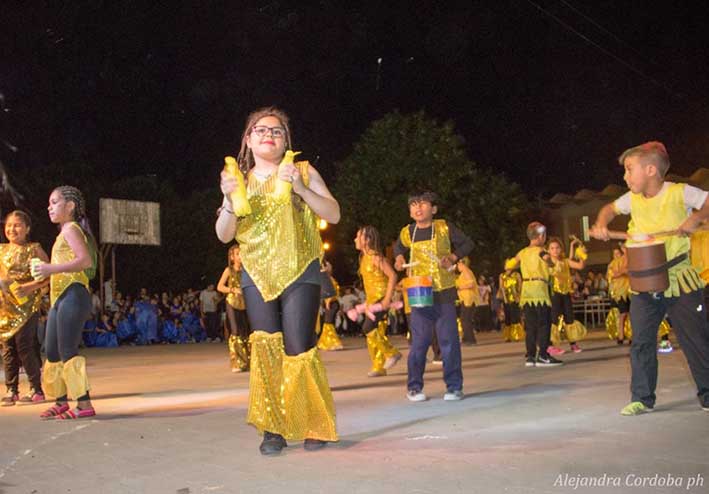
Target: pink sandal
<point>54,411</point>
<point>77,413</point>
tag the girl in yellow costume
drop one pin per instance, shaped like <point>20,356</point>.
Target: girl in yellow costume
<point>289,396</point>
<point>617,322</point>
<point>19,310</point>
<point>510,291</point>
<point>73,264</point>
<point>562,312</point>
<point>329,340</point>
<point>379,280</point>
<point>230,284</point>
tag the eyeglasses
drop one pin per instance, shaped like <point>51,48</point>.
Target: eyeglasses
<point>262,130</point>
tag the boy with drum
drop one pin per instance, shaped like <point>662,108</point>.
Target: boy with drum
<point>656,206</point>
<point>431,248</point>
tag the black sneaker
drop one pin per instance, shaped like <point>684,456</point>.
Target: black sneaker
<point>272,444</point>
<point>530,362</point>
<point>313,444</point>
<point>548,361</point>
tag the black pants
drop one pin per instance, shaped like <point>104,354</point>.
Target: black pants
<point>331,312</point>
<point>512,313</point>
<point>537,324</point>
<point>466,322</point>
<point>212,323</point>
<point>561,305</point>
<point>22,350</point>
<point>689,322</point>
<point>237,322</point>
<point>294,312</point>
<point>65,323</point>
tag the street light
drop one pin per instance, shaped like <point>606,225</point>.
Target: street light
<point>322,224</point>
<point>326,245</point>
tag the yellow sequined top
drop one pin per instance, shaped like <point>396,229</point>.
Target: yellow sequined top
<point>235,300</point>
<point>562,277</point>
<point>663,212</point>
<point>373,278</point>
<point>468,296</point>
<point>277,241</point>
<point>15,267</point>
<point>62,253</point>
<point>535,277</point>
<point>428,252</point>
<point>618,288</point>
<point>511,287</point>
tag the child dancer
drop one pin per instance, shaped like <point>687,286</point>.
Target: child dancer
<point>619,291</point>
<point>73,264</point>
<point>536,265</point>
<point>20,300</point>
<point>379,280</point>
<point>562,311</point>
<point>434,247</point>
<point>329,340</point>
<point>510,291</point>
<point>656,205</point>
<point>238,324</point>
<point>289,395</point>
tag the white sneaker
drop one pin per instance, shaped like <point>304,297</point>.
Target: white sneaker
<point>456,395</point>
<point>437,362</point>
<point>416,395</point>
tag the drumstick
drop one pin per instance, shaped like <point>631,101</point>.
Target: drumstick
<point>410,264</point>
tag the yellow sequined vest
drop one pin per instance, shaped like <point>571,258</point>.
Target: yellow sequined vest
<point>666,211</point>
<point>15,267</point>
<point>277,241</point>
<point>618,288</point>
<point>511,284</point>
<point>62,253</point>
<point>562,276</point>
<point>427,253</point>
<point>235,300</point>
<point>374,280</point>
<point>535,276</point>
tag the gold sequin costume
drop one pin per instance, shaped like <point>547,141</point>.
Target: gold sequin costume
<point>427,253</point>
<point>238,344</point>
<point>612,326</point>
<point>375,284</point>
<point>329,340</point>
<point>618,287</point>
<point>65,378</point>
<point>15,267</point>
<point>562,285</point>
<point>288,395</point>
<point>535,277</point>
<point>513,329</point>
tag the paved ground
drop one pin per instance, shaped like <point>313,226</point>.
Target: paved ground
<point>172,421</point>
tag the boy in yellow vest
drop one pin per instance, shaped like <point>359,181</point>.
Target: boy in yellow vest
<point>535,264</point>
<point>655,206</point>
<point>434,247</point>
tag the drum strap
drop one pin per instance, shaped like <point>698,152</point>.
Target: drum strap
<point>658,269</point>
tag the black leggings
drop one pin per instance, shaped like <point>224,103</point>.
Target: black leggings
<point>294,312</point>
<point>23,350</point>
<point>238,324</point>
<point>561,305</point>
<point>331,312</point>
<point>65,323</point>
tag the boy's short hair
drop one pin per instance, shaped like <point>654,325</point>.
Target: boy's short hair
<point>535,230</point>
<point>423,195</point>
<point>652,152</point>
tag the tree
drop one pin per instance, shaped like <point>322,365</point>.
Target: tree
<point>402,153</point>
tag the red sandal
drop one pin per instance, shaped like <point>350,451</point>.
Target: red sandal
<point>77,413</point>
<point>54,411</point>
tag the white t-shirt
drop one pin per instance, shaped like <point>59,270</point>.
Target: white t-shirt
<point>694,198</point>
<point>208,300</point>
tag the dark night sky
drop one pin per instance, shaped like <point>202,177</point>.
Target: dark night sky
<point>137,89</point>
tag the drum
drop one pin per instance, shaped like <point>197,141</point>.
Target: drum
<point>419,291</point>
<point>647,267</point>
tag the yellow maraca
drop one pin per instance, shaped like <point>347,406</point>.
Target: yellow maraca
<point>238,197</point>
<point>283,189</point>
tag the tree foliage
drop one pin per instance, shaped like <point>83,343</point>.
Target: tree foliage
<point>402,153</point>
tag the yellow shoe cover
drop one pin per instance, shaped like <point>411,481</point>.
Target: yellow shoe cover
<point>266,408</point>
<point>77,382</point>
<point>328,338</point>
<point>238,353</point>
<point>309,407</point>
<point>556,332</point>
<point>516,332</point>
<point>575,331</point>
<point>52,379</point>
<point>388,350</point>
<point>375,352</point>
